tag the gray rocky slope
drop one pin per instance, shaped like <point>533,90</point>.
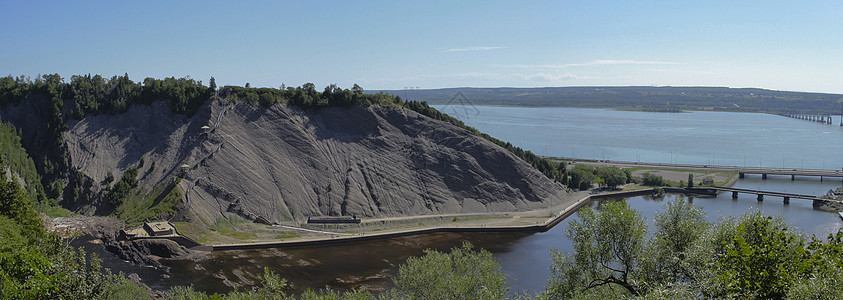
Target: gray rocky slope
<point>282,164</point>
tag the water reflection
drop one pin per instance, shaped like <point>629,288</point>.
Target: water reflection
<point>369,265</point>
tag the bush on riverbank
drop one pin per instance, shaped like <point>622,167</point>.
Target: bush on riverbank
<point>584,177</point>
<point>753,256</point>
<point>652,179</point>
<point>37,264</point>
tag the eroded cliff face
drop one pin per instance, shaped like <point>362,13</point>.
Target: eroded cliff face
<point>282,164</point>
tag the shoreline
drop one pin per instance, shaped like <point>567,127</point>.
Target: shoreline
<point>485,225</point>
<point>538,220</point>
<point>541,227</point>
<point>482,222</point>
<point>563,210</point>
<point>615,108</point>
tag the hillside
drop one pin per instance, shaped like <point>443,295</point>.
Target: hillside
<point>283,163</point>
<point>638,98</point>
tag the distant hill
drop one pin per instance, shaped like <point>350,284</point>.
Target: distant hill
<point>637,98</point>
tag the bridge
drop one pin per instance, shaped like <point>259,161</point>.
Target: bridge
<point>819,118</point>
<point>784,171</point>
<point>713,190</point>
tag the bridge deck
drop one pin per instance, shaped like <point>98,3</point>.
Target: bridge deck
<point>797,172</point>
<point>764,193</point>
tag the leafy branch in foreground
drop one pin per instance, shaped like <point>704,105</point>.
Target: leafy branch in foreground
<point>753,256</point>
<point>36,264</point>
<point>460,274</point>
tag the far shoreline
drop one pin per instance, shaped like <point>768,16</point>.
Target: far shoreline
<point>622,108</point>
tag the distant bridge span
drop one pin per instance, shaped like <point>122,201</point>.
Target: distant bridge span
<point>712,190</point>
<point>792,172</point>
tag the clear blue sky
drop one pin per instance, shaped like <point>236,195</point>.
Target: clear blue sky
<point>781,45</point>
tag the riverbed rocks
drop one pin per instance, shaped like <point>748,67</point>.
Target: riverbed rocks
<point>145,251</point>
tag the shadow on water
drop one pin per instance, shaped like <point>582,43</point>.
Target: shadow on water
<point>154,278</point>
<point>368,265</point>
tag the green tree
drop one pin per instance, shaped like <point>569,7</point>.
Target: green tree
<point>461,274</point>
<point>690,180</point>
<point>581,178</point>
<point>612,176</point>
<point>629,177</point>
<point>123,187</point>
<point>671,253</point>
<point>15,206</point>
<point>826,282</point>
<point>652,179</point>
<point>36,264</point>
<point>762,258</point>
<point>607,247</point>
<point>212,84</point>
<point>753,256</point>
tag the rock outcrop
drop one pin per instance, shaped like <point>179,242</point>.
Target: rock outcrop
<point>283,164</point>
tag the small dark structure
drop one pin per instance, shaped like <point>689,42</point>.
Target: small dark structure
<point>149,229</point>
<point>158,228</point>
<point>334,220</point>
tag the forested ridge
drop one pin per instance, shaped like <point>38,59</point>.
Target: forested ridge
<point>659,99</point>
<point>13,157</point>
<point>89,94</point>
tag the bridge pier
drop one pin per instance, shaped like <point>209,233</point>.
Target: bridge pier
<point>786,200</point>
<point>740,174</point>
<point>763,176</point>
<point>734,195</point>
<point>760,197</point>
<point>792,177</point>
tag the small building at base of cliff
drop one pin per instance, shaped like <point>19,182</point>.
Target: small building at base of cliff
<point>158,228</point>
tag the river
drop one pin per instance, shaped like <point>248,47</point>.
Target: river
<point>714,138</point>
<point>703,138</point>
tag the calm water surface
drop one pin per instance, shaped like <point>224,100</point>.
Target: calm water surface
<point>706,138</point>
<point>696,137</point>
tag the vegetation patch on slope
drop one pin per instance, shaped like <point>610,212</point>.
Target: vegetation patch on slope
<point>15,160</point>
<point>160,203</point>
